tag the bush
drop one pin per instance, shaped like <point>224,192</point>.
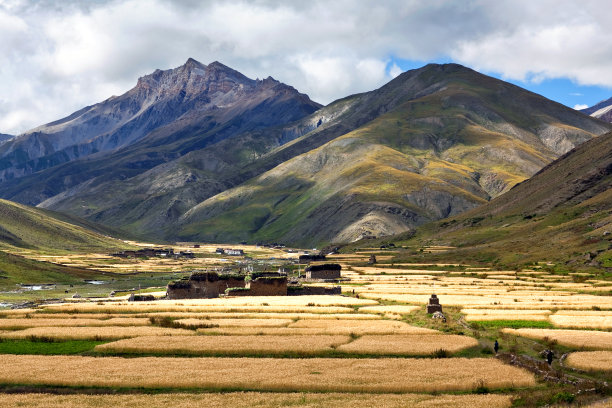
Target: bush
<point>563,396</point>
<point>440,353</point>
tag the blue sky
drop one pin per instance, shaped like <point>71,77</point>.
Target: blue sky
<point>61,55</point>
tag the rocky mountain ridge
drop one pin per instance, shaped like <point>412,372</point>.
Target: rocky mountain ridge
<point>163,98</point>
<point>601,110</point>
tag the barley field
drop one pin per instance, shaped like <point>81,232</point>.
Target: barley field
<point>591,320</point>
<point>226,345</point>
<point>360,327</point>
<point>265,374</point>
<point>234,322</point>
<point>590,360</point>
<point>45,322</point>
<point>255,399</point>
<point>581,339</point>
<point>94,333</point>
<point>422,344</point>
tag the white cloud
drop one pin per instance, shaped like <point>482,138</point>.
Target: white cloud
<point>395,70</point>
<point>61,56</point>
<point>580,106</point>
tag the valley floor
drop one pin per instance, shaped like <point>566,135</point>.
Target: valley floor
<point>374,346</point>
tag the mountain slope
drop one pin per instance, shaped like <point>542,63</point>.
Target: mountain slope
<point>563,213</point>
<point>32,228</point>
<point>602,110</point>
<point>4,137</point>
<point>440,140</point>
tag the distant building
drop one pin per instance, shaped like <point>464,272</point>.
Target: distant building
<point>325,271</point>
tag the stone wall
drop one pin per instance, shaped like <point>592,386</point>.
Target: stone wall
<point>269,286</point>
<point>313,290</point>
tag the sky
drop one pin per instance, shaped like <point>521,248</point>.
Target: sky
<point>59,56</point>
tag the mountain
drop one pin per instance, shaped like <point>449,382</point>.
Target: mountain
<point>561,214</point>
<point>602,110</point>
<point>193,98</point>
<point>432,143</point>
<point>271,165</point>
<point>4,137</point>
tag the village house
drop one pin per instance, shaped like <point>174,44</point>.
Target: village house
<point>324,271</point>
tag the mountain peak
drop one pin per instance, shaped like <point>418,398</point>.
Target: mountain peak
<point>192,63</point>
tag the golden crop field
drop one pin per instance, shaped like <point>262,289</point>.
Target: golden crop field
<point>254,399</point>
<point>422,344</point>
<point>394,309</point>
<point>142,307</point>
<point>360,327</point>
<point>598,320</point>
<point>582,339</point>
<point>505,314</point>
<point>590,360</point>
<point>235,322</point>
<point>265,374</point>
<point>45,322</point>
<point>94,333</point>
<point>227,345</point>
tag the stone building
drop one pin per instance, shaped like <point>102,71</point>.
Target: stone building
<point>325,271</point>
<point>203,285</point>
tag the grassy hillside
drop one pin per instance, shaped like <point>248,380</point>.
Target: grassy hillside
<point>563,214</point>
<point>444,139</point>
<point>26,227</point>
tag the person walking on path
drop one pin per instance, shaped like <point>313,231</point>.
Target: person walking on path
<point>496,347</point>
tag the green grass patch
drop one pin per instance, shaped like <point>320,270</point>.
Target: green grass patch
<point>47,347</point>
<point>513,324</point>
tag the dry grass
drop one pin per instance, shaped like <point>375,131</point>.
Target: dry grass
<point>45,322</point>
<point>235,322</point>
<point>591,320</point>
<point>581,339</point>
<point>254,399</point>
<point>93,333</point>
<point>227,345</point>
<point>265,374</point>
<point>360,327</point>
<point>590,360</point>
<point>409,345</point>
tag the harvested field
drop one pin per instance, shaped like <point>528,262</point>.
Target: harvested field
<point>590,360</point>
<point>38,322</point>
<point>596,320</point>
<point>286,375</point>
<point>581,339</point>
<point>94,333</point>
<point>360,327</point>
<point>409,344</point>
<point>235,322</point>
<point>226,345</point>
<point>254,399</point>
